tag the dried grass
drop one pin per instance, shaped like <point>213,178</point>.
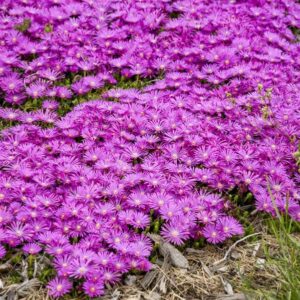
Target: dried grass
<point>204,279</point>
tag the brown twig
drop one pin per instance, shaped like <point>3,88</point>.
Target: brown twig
<point>233,246</point>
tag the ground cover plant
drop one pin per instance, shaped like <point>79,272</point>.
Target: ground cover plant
<point>122,118</point>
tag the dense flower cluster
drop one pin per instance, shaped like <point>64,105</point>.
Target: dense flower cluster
<point>225,117</point>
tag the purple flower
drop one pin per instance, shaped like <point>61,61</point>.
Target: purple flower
<point>81,268</point>
<point>185,116</point>
<point>2,251</point>
<point>58,287</point>
<point>229,226</point>
<point>11,84</point>
<point>175,233</point>
<point>93,288</point>
<point>36,90</point>
<point>32,248</point>
<point>212,234</point>
<point>50,104</point>
<point>92,82</point>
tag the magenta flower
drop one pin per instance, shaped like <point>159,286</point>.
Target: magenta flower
<point>229,226</point>
<point>36,90</point>
<point>2,251</point>
<point>12,84</point>
<point>32,248</point>
<point>191,110</point>
<point>58,287</point>
<point>213,235</point>
<point>175,233</point>
<point>93,288</point>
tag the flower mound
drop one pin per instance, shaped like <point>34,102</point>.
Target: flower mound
<point>224,118</point>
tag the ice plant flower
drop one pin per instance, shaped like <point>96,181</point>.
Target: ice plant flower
<point>32,248</point>
<point>212,107</point>
<point>2,251</point>
<point>59,287</point>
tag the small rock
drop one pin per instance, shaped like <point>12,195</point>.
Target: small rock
<point>177,259</point>
<point>235,255</point>
<point>260,263</point>
<point>223,269</point>
<point>256,249</point>
<point>166,249</point>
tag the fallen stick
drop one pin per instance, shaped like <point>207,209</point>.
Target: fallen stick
<point>233,246</point>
